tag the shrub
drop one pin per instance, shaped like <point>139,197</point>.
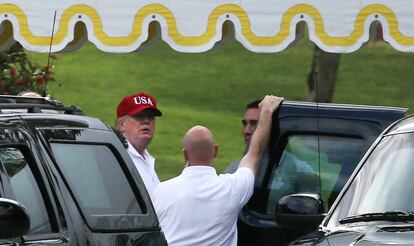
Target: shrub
<point>18,73</point>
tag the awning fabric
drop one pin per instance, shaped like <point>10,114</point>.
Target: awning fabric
<point>199,25</point>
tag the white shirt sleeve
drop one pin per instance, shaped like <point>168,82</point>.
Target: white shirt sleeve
<point>242,184</point>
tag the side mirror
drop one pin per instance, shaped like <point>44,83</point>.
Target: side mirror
<point>14,221</point>
<point>300,211</point>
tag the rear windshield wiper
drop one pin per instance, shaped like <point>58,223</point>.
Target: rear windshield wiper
<point>389,216</point>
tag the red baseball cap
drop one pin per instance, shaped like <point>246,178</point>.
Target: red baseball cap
<point>134,104</point>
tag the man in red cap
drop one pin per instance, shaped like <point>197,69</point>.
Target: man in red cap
<point>136,120</point>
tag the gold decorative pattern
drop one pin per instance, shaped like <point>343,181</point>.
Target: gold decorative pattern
<point>237,12</point>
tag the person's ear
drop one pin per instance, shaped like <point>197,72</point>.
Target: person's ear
<point>216,150</point>
<point>121,125</point>
<point>185,154</point>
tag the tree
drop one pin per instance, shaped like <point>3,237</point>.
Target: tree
<point>324,71</point>
<point>19,74</point>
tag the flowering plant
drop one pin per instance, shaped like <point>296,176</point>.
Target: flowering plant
<point>19,74</point>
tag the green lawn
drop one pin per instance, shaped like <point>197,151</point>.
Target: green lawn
<point>212,88</point>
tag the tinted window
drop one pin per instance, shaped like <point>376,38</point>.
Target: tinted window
<point>97,181</point>
<point>298,168</point>
<point>385,182</point>
<point>25,189</point>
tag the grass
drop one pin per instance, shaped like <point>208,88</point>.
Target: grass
<point>212,88</point>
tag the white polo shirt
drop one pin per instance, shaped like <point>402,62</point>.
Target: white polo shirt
<point>201,208</point>
<point>146,167</point>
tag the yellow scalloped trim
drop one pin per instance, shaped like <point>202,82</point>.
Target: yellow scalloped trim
<point>210,32</point>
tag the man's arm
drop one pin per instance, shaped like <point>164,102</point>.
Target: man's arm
<point>261,136</point>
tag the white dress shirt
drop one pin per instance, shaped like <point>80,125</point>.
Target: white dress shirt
<point>146,167</point>
<point>201,208</point>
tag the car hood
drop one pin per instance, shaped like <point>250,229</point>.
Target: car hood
<point>362,234</point>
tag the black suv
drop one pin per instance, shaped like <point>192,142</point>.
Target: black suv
<point>74,177</point>
<point>314,150</point>
<point>376,207</point>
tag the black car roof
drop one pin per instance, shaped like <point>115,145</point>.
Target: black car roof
<point>365,112</point>
<point>34,105</point>
<point>46,112</point>
<point>61,120</point>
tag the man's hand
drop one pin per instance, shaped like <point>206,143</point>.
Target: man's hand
<point>270,103</point>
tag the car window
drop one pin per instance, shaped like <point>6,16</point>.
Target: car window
<point>298,170</point>
<point>25,189</point>
<point>384,182</point>
<point>98,183</point>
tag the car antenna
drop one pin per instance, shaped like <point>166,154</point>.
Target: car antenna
<point>317,130</point>
<point>45,74</point>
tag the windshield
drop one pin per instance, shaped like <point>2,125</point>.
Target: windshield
<point>384,184</point>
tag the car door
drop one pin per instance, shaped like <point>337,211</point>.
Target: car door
<point>104,196</point>
<point>312,155</point>
<point>23,179</point>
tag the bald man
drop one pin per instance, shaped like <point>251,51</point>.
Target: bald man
<point>199,207</point>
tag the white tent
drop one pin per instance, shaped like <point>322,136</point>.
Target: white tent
<point>195,26</point>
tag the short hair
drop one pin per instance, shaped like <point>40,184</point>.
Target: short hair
<point>254,104</point>
<point>118,121</point>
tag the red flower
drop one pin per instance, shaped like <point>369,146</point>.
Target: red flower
<point>12,72</point>
<point>2,85</point>
<point>40,80</point>
<point>19,82</point>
